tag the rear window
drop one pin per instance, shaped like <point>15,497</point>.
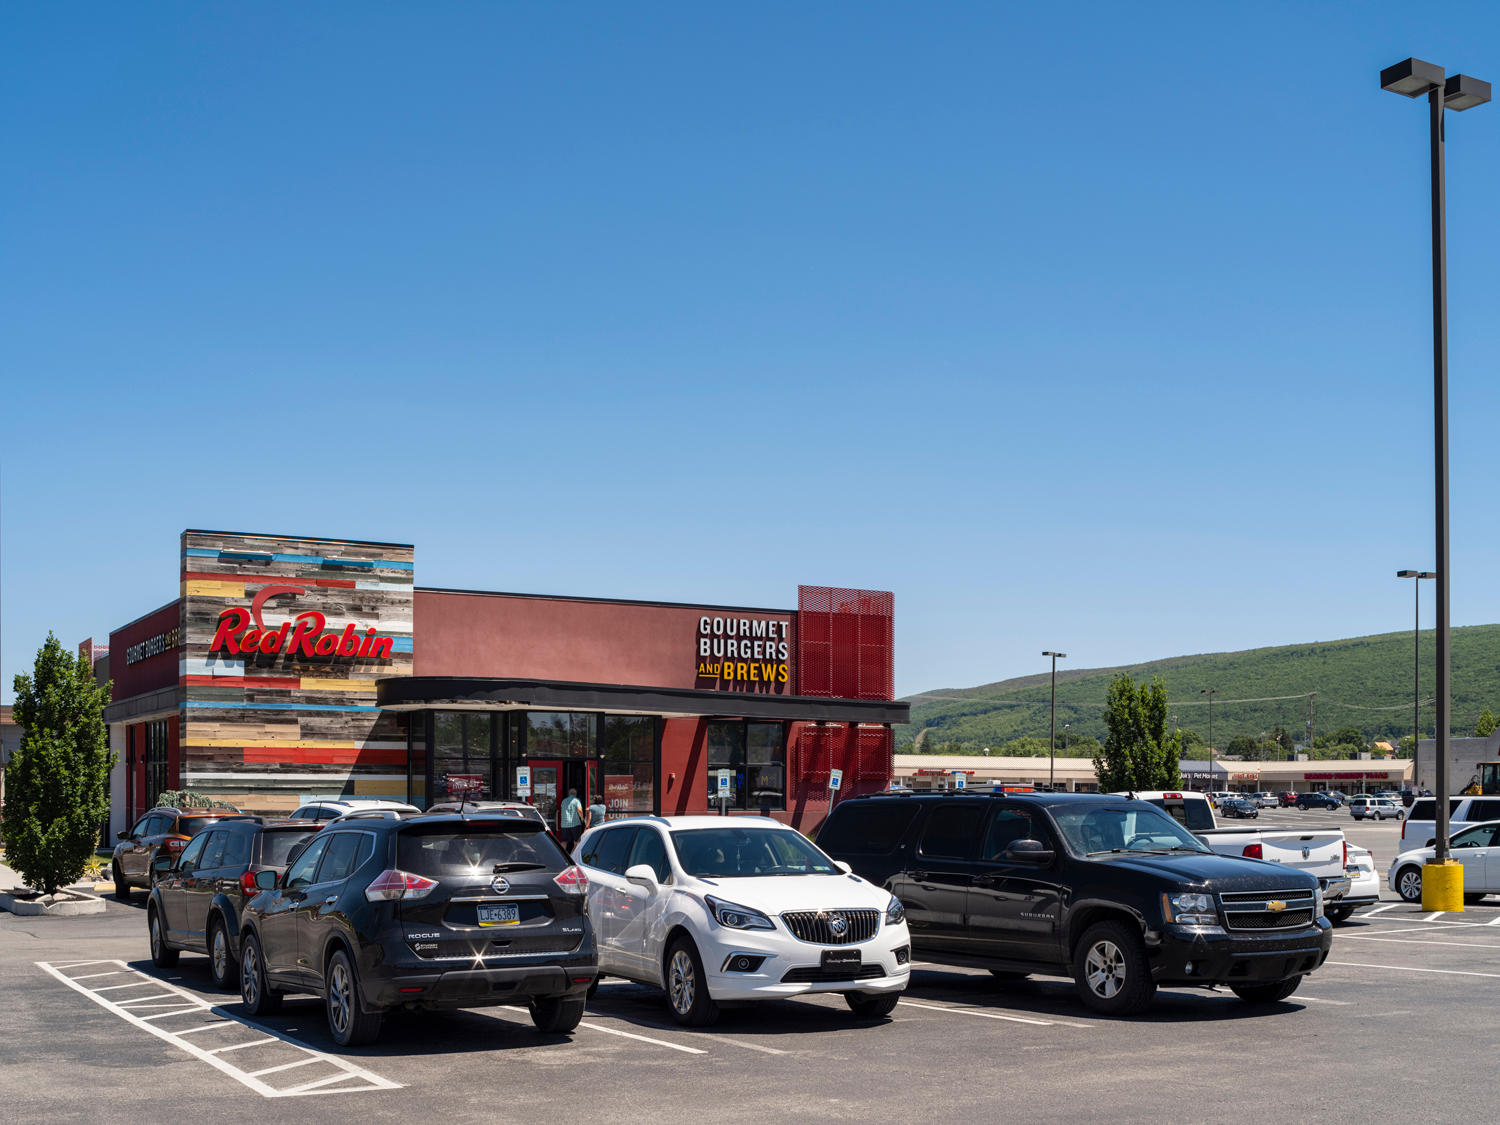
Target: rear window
<point>474,849</point>
<point>1425,808</point>
<point>1485,810</point>
<point>1192,813</point>
<point>867,829</point>
<point>276,847</point>
<point>192,825</point>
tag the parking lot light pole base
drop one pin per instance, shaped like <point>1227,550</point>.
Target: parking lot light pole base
<point>1443,885</point>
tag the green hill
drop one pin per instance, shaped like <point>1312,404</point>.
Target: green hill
<point>1362,682</point>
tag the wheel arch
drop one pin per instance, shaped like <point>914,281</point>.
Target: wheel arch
<point>1089,914</point>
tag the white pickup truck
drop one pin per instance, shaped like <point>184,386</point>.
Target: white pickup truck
<point>1321,852</point>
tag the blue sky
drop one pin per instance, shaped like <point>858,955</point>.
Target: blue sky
<point>1102,328</point>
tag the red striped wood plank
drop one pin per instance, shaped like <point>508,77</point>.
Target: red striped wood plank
<point>217,576</point>
<point>246,681</point>
<point>324,757</point>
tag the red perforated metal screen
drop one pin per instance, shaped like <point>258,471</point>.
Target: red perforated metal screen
<point>845,642</point>
<point>863,753</point>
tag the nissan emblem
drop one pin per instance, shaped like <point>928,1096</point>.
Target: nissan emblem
<point>499,884</point>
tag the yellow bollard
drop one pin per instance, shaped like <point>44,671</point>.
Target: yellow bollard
<point>1443,886</point>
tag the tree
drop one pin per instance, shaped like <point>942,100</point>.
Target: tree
<point>1138,753</point>
<point>1486,724</point>
<point>57,784</point>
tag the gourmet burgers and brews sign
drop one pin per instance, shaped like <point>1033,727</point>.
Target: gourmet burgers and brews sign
<point>243,631</point>
<point>744,650</point>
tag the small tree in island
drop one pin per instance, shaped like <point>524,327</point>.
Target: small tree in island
<point>57,784</point>
<point>1138,753</point>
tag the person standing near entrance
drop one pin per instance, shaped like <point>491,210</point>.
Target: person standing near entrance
<point>596,814</point>
<point>570,820</point>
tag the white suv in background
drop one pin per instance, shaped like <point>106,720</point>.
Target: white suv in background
<point>329,810</point>
<point>1376,808</point>
<point>717,909</point>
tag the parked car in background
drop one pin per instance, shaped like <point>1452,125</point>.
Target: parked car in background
<point>1264,800</point>
<point>501,808</point>
<point>1111,891</point>
<point>1239,809</point>
<point>715,910</point>
<point>1364,885</point>
<point>1316,801</point>
<point>1392,794</point>
<point>1476,846</point>
<point>200,893</point>
<point>328,810</point>
<point>1340,796</point>
<point>1375,808</point>
<point>1418,829</point>
<point>1286,800</point>
<point>428,912</point>
<point>160,832</point>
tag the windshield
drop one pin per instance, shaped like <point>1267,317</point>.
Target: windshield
<point>730,853</point>
<point>1132,826</point>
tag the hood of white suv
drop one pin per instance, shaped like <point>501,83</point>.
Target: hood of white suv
<point>771,894</point>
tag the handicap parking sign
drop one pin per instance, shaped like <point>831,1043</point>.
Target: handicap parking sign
<point>835,778</point>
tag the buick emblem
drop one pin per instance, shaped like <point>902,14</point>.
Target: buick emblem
<point>499,884</point>
<point>837,925</point>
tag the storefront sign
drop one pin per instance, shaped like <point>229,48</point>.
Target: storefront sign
<point>1346,775</point>
<point>304,635</point>
<point>619,791</point>
<point>152,646</point>
<point>743,649</point>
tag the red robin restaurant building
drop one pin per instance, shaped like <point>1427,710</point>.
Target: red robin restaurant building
<point>294,668</point>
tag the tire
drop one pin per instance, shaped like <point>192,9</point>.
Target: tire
<point>687,989</point>
<point>222,964</point>
<point>1473,898</point>
<point>557,1015</point>
<point>1409,884</point>
<point>594,988</point>
<point>163,956</point>
<point>867,1007</point>
<point>1340,913</point>
<point>1006,974</point>
<point>256,994</point>
<point>1266,993</point>
<point>350,1024</point>
<point>122,885</point>
<point>1110,970</point>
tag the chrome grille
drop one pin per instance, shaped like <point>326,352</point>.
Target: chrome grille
<point>832,927</point>
<point>1252,910</point>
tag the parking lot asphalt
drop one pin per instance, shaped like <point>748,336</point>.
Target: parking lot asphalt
<point>1398,1021</point>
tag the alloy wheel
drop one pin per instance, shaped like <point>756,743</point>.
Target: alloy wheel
<point>682,983</point>
<point>220,954</point>
<point>339,996</point>
<point>1409,884</point>
<point>1105,969</point>
<point>249,976</point>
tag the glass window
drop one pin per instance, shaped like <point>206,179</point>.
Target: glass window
<point>300,874</point>
<point>1481,837</point>
<point>869,828</point>
<point>213,851</point>
<point>436,853</point>
<point>155,736</point>
<point>562,734</point>
<point>1135,826</point>
<point>726,751</point>
<point>765,766</point>
<point>650,850</point>
<point>188,861</point>
<point>461,756</point>
<point>629,764</point>
<point>1485,810</point>
<point>952,831</point>
<point>738,851</point>
<point>275,847</point>
<point>342,856</point>
<point>236,850</point>
<point>1006,827</point>
<point>609,849</point>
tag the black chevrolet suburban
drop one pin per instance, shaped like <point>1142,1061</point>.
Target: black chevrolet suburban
<point>1107,890</point>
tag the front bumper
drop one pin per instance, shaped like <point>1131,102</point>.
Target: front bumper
<point>793,968</point>
<point>1205,955</point>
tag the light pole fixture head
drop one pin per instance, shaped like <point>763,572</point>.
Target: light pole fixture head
<point>1058,655</point>
<point>1462,91</point>
<point>1407,573</point>
<point>1413,78</point>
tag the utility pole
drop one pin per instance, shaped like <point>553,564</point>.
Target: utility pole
<point>1310,697</point>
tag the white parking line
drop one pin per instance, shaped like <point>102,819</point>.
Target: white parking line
<point>1410,969</point>
<point>1319,1000</point>
<point>993,1015</point>
<point>242,1046</point>
<point>1423,941</point>
<point>1378,909</point>
<point>90,976</point>
<point>173,995</point>
<point>643,1038</point>
<point>747,1046</point>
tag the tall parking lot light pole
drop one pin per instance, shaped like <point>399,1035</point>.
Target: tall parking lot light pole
<point>1416,647</point>
<point>1052,736</point>
<point>1412,78</point>
<point>1210,692</point>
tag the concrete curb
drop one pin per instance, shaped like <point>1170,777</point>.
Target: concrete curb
<point>67,904</point>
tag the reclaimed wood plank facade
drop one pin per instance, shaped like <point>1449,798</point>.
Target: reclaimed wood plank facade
<point>264,729</point>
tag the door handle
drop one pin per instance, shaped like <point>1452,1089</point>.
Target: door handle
<point>330,900</point>
<point>920,876</point>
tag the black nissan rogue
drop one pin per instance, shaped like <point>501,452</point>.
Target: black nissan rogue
<point>444,911</point>
<point>1110,891</point>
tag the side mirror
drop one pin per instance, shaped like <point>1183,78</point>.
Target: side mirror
<point>1431,842</point>
<point>122,835</point>
<point>1029,851</point>
<point>265,880</point>
<point>162,864</point>
<point>844,867</point>
<point>641,875</point>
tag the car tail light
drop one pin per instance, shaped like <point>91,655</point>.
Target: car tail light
<point>391,885</point>
<point>573,881</point>
<point>1253,851</point>
<point>176,844</point>
<point>247,884</point>
<point>1346,853</point>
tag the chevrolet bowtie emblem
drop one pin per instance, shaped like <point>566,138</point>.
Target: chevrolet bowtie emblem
<point>1276,905</point>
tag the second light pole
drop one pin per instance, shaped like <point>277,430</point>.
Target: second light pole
<point>1416,645</point>
<point>1210,692</point>
<point>1052,736</point>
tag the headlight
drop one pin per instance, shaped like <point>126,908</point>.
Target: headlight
<point>895,913</point>
<point>735,917</point>
<point>1318,901</point>
<point>1190,908</point>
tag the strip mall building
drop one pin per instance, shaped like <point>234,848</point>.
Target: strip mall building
<point>291,668</point>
